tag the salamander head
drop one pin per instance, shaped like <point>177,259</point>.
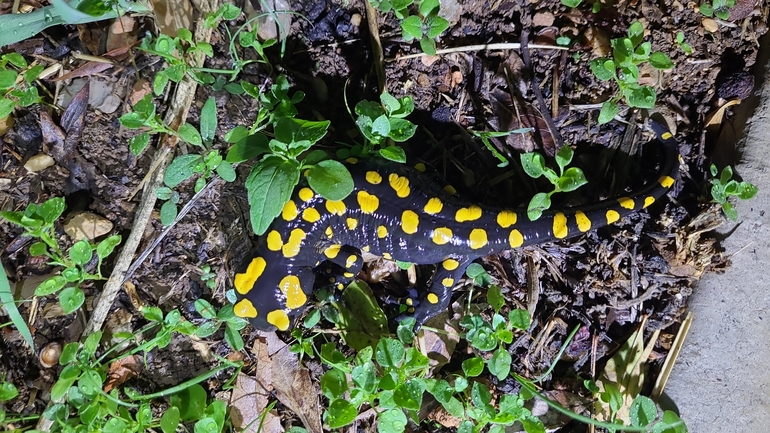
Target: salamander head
<point>271,301</point>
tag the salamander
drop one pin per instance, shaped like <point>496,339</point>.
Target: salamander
<point>399,213</point>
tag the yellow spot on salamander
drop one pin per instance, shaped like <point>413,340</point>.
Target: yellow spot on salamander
<point>432,298</point>
<point>332,251</point>
<point>244,308</point>
<point>450,189</point>
<point>626,202</point>
<point>470,213</point>
<point>352,160</point>
<point>279,319</point>
<point>365,248</point>
<point>352,223</point>
<point>274,241</point>
<point>373,177</point>
<point>305,194</point>
<point>329,232</point>
<point>245,282</point>
<point>291,287</point>
<point>559,226</point>
<point>515,239</point>
<point>311,215</point>
<point>420,167</point>
<point>348,275</point>
<point>332,280</point>
<point>612,216</point>
<point>340,286</point>
<point>387,256</point>
<point>289,211</point>
<point>583,223</point>
<point>450,264</point>
<point>441,236</point>
<point>409,222</point>
<point>335,207</point>
<point>433,206</point>
<point>382,232</point>
<point>649,200</point>
<point>351,260</point>
<point>666,181</point>
<point>400,185</point>
<point>291,248</point>
<point>447,282</point>
<point>409,302</point>
<point>478,238</point>
<point>506,218</point>
<point>368,202</point>
<point>666,135</point>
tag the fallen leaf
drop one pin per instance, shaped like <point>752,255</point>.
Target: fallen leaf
<point>121,371</point>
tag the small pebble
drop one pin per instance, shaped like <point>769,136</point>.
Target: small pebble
<point>87,225</point>
<point>38,162</point>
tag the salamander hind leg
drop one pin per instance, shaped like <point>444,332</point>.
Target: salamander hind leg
<point>438,296</point>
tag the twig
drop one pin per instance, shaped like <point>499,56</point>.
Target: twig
<point>498,46</point>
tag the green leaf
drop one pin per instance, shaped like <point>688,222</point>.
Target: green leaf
<point>660,60</point>
<point>314,157</point>
<point>428,46</point>
<point>473,367</point>
<point>389,352</point>
<point>7,78</point>
<point>540,202</point>
<point>533,164</point>
<point>181,169</point>
<point>269,187</point>
<point>571,3</point>
<point>428,7</point>
<point>249,147</point>
<point>746,191</point>
<point>411,28</point>
<point>189,134</point>
<point>106,246</point>
<point>500,363</point>
<point>608,112</point>
<point>393,153</point>
<point>8,302</point>
<point>401,129</point>
<point>392,420</point>
<point>381,126</point>
<point>331,179</point>
<point>168,213</point>
<point>139,143</point>
<point>341,413</point>
<point>640,97</point>
<point>730,211</point>
<point>390,103</point>
<point>334,383</point>
<point>6,107</point>
<point>409,395</point>
<point>642,411</point>
<point>564,157</point>
<point>226,171</point>
<point>436,25</point>
<point>132,120</point>
<point>519,319</point>
<point>51,209</point>
<point>571,180</point>
<point>71,298</point>
<point>208,120</point>
<point>15,59</point>
<point>38,249</point>
<point>51,285</point>
<point>169,421</point>
<point>81,252</point>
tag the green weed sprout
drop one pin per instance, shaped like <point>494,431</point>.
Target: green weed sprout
<point>567,180</point>
<point>724,187</point>
<point>425,27</point>
<point>719,9</point>
<point>14,95</point>
<point>623,67</point>
<point>380,122</point>
<point>38,222</point>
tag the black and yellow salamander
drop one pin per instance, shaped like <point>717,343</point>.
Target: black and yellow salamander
<point>399,213</point>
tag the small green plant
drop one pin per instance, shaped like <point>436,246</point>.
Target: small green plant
<point>176,52</point>
<point>623,67</point>
<point>486,135</point>
<point>684,46</point>
<point>22,94</point>
<point>566,181</point>
<point>8,392</point>
<point>724,187</point>
<point>38,222</point>
<point>215,319</point>
<point>719,9</point>
<point>379,123</point>
<point>89,408</point>
<point>426,26</point>
<point>183,167</point>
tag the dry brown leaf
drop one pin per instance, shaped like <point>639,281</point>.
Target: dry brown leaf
<point>121,371</point>
<point>172,15</point>
<point>247,404</point>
